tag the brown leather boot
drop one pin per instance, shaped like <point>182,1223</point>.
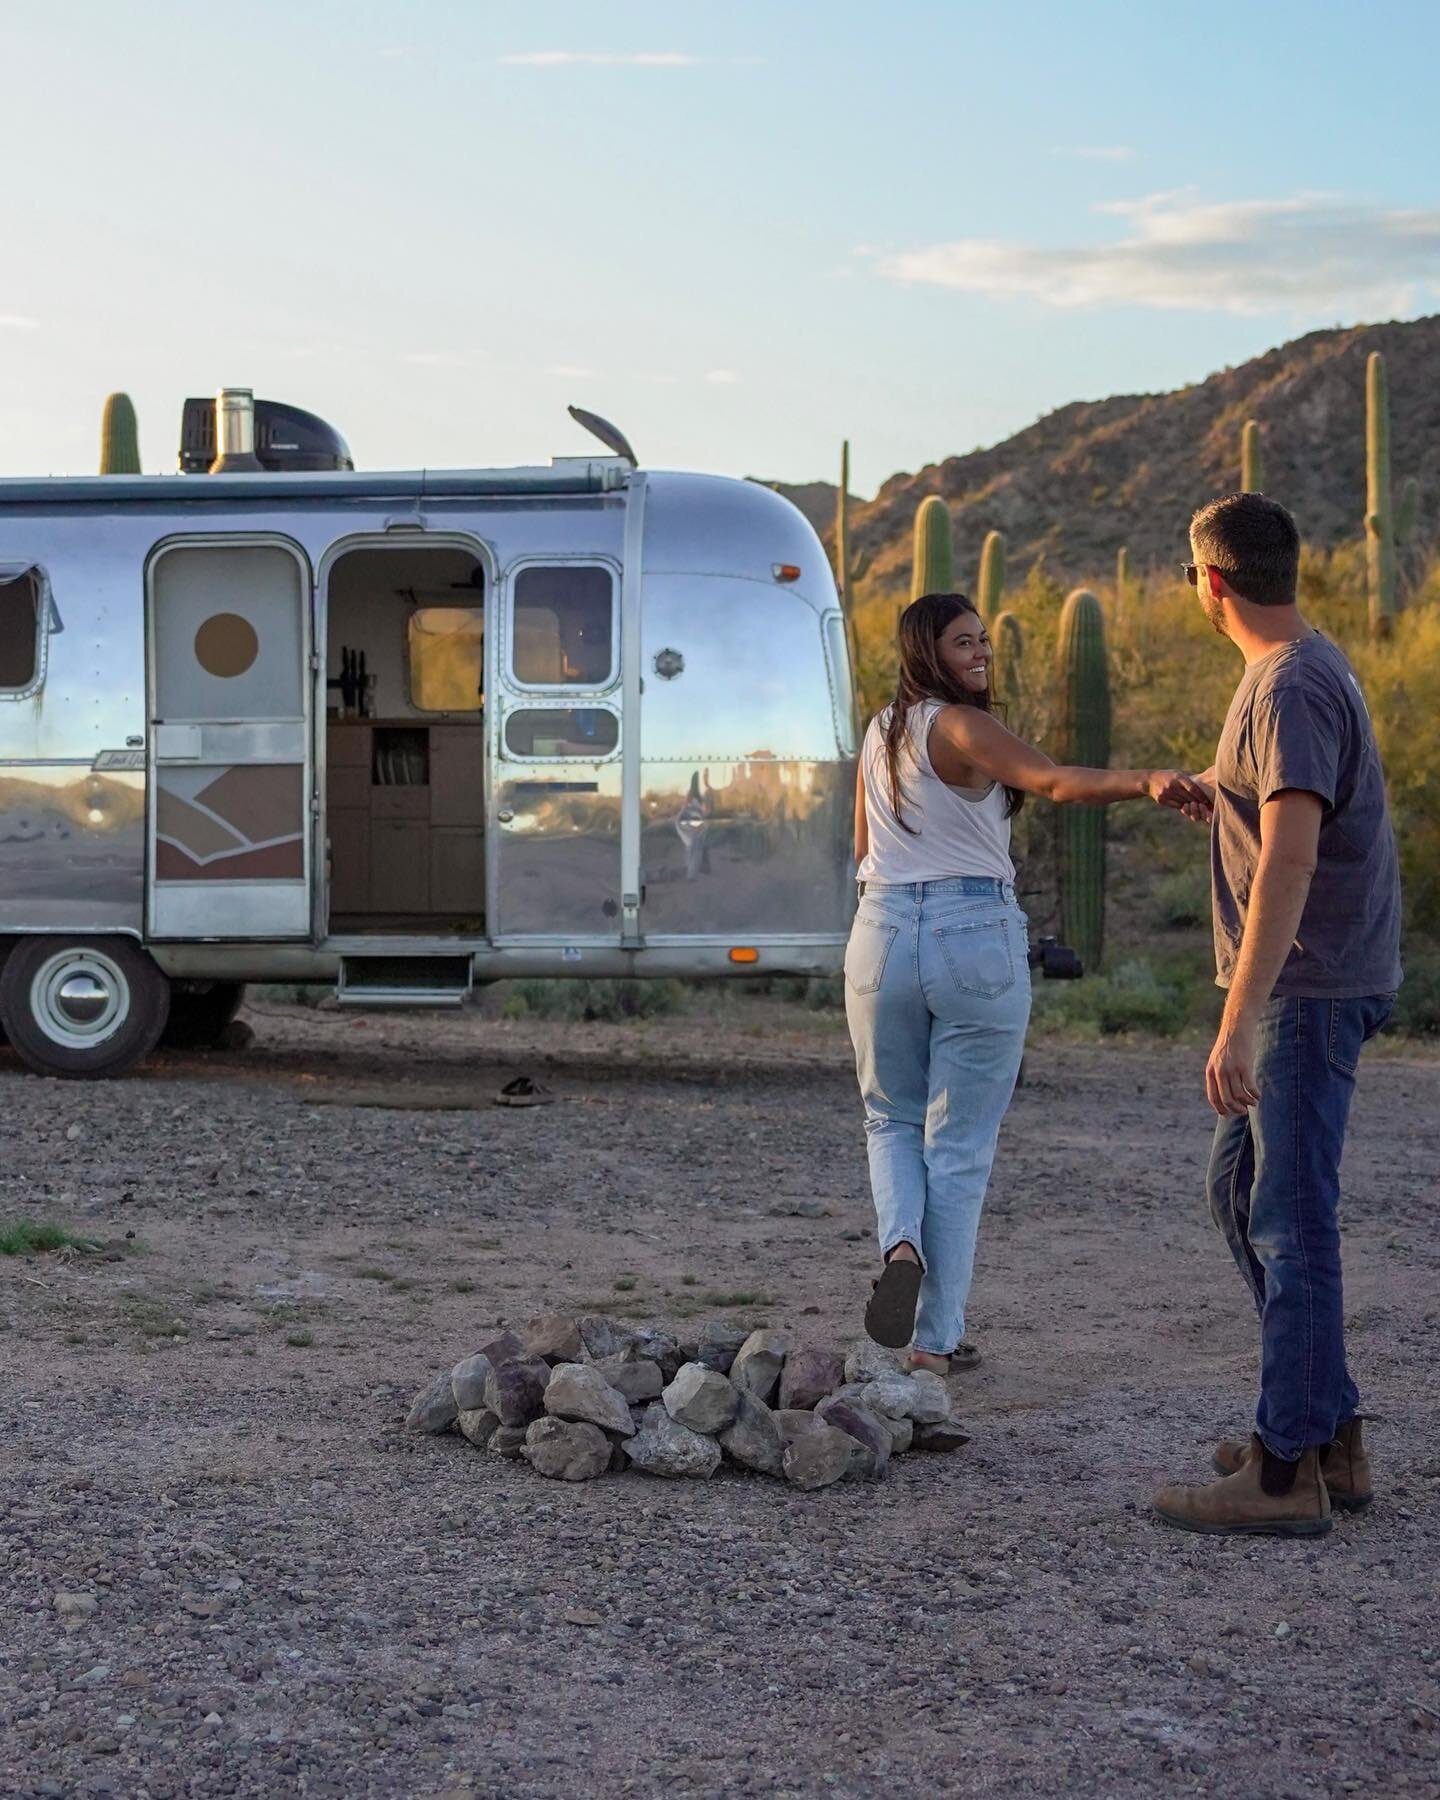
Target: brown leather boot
<point>1343,1463</point>
<point>1240,1504</point>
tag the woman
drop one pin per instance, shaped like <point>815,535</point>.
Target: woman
<point>937,982</point>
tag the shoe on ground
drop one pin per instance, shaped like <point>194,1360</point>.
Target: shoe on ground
<point>1239,1504</point>
<point>1343,1464</point>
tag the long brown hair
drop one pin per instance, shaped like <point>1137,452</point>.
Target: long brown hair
<point>923,676</point>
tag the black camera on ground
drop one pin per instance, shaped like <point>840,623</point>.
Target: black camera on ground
<point>1055,961</point>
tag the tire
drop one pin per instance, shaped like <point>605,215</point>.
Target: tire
<point>82,1007</point>
<point>198,1016</point>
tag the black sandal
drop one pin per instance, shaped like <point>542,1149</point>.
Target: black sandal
<point>522,1091</point>
<point>890,1315</point>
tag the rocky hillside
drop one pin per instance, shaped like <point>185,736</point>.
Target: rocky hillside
<point>1095,475</point>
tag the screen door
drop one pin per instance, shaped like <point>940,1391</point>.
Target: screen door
<point>229,740</point>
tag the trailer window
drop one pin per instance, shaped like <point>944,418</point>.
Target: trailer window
<point>587,732</point>
<point>19,632</point>
<point>564,626</point>
<point>447,658</point>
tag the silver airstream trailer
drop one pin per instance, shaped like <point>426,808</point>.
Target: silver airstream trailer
<point>403,733</point>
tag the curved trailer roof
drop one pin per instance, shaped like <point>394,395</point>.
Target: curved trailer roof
<point>568,475</point>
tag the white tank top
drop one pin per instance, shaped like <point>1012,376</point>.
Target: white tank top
<point>953,831</point>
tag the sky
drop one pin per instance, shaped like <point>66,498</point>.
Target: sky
<point>742,232</point>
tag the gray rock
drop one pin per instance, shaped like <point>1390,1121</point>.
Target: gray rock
<point>478,1424</point>
<point>719,1344</point>
<point>508,1441</point>
<point>433,1408</point>
<point>701,1398</point>
<point>866,1427</point>
<point>819,1457</point>
<point>757,1365</point>
<point>566,1451</point>
<point>515,1390</point>
<point>809,1375</point>
<point>933,1408</point>
<point>659,1347</point>
<point>867,1361</point>
<point>636,1377</point>
<point>921,1397</point>
<point>894,1396</point>
<point>944,1437</point>
<point>603,1337</point>
<point>902,1433</point>
<point>663,1446</point>
<point>469,1375</point>
<point>578,1391</point>
<point>554,1337</point>
<point>754,1440</point>
<point>467,1381</point>
<point>793,1421</point>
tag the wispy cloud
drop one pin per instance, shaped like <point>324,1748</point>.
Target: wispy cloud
<point>1317,255</point>
<point>17,322</point>
<point>1107,153</point>
<point>601,59</point>
<point>722,377</point>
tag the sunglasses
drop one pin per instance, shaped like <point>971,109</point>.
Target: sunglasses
<point>1192,572</point>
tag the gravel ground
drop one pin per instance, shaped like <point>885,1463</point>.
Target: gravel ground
<point>291,1596</point>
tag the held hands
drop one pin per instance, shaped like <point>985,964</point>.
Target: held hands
<point>1230,1082</point>
<point>1182,793</point>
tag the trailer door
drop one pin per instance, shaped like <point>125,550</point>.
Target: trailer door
<point>556,756</point>
<point>230,816</point>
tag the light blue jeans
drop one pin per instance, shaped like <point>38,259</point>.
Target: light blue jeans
<point>937,993</point>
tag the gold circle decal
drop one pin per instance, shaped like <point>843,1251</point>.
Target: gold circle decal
<point>226,645</point>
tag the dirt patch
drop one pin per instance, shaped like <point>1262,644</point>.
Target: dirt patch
<point>294,1595</point>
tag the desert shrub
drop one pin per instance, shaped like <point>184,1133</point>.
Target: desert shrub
<point>1182,899</point>
<point>1417,1006</point>
<point>1135,997</point>
<point>606,1001</point>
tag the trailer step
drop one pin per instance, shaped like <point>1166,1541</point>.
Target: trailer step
<point>404,980</point>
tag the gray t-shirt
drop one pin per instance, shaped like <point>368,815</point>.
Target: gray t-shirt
<point>1299,720</point>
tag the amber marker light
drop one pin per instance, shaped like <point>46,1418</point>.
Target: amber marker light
<point>785,571</point>
<point>743,953</point>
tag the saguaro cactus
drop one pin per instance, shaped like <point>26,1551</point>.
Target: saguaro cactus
<point>1083,682</point>
<point>1407,510</point>
<point>991,588</point>
<point>119,437</point>
<point>933,568</point>
<point>1379,523</point>
<point>1252,476</point>
<point>1008,642</point>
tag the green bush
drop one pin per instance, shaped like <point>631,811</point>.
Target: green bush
<point>1182,900</point>
<point>1136,997</point>
<point>1417,1006</point>
<point>606,1001</point>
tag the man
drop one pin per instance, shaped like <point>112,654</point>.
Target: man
<point>1307,942</point>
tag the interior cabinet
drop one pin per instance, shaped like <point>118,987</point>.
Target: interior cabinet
<point>399,866</point>
<point>412,844</point>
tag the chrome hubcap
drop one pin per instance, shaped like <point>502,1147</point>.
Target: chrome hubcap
<point>79,998</point>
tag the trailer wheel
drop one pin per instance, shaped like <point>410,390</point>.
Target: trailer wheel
<point>82,1007</point>
<point>197,1017</point>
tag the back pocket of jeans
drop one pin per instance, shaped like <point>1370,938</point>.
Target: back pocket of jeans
<point>979,956</point>
<point>865,954</point>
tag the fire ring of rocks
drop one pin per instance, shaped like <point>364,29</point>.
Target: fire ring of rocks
<point>581,1397</point>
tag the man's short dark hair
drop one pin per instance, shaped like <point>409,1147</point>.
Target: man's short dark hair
<point>1254,544</point>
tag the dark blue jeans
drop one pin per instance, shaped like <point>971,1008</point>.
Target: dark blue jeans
<point>1274,1184</point>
